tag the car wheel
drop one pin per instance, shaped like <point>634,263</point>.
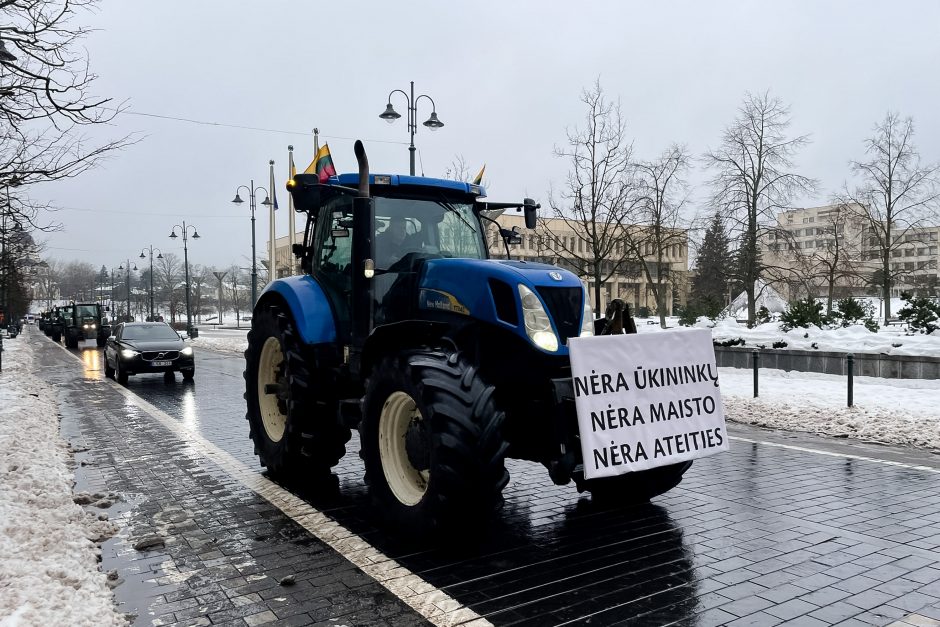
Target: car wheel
<point>121,373</point>
<point>188,374</point>
<point>108,370</point>
<point>169,376</point>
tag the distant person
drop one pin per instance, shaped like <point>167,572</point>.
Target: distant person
<point>388,243</point>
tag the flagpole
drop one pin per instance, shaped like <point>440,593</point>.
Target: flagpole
<point>316,142</point>
<point>292,233</point>
<point>272,269</point>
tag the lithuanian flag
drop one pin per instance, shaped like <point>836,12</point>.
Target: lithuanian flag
<point>322,164</point>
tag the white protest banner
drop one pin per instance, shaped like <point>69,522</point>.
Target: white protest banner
<point>646,400</point>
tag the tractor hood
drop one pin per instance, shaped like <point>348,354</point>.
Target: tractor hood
<point>488,290</point>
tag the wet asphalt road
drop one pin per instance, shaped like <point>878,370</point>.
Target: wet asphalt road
<point>770,533</point>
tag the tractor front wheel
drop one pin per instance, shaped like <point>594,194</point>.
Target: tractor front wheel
<point>292,438</point>
<point>432,442</point>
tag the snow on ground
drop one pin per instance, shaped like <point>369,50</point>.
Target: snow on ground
<point>891,340</point>
<point>48,555</point>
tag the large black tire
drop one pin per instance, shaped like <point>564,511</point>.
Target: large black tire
<point>292,438</point>
<point>636,487</point>
<point>432,442</point>
<point>71,340</point>
<point>101,340</point>
<point>56,336</point>
<point>120,373</point>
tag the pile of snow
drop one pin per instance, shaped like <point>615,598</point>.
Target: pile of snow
<point>764,296</point>
<point>48,553</point>
<point>222,341</point>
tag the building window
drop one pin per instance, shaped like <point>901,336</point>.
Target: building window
<point>908,252</point>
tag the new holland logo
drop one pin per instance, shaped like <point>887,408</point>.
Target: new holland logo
<point>555,275</point>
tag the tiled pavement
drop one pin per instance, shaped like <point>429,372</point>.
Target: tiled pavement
<point>763,535</point>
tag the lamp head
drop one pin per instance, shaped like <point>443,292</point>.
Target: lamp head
<point>267,201</point>
<point>159,255</point>
<point>141,255</point>
<point>389,115</point>
<point>432,122</point>
<point>173,234</point>
<point>238,199</point>
<point>135,267</point>
<point>195,234</point>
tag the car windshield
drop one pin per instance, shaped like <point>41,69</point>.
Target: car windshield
<point>150,332</point>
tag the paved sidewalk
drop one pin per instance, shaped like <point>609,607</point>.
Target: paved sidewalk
<point>224,549</point>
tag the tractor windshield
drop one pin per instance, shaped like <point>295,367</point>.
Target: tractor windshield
<point>432,227</point>
<point>86,311</point>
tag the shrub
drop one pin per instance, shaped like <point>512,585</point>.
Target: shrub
<point>763,315</point>
<point>871,324</point>
<point>920,313</point>
<point>779,344</point>
<point>852,312</point>
<point>802,313</point>
<point>732,342</point>
<point>643,312</point>
<point>688,315</point>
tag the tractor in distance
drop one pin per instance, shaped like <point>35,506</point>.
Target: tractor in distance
<point>86,321</point>
<point>57,318</point>
<point>446,361</point>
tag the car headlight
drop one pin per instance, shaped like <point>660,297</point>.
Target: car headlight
<point>127,353</point>
<point>538,326</point>
<point>187,351</point>
<point>587,317</point>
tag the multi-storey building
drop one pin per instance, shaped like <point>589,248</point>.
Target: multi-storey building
<point>809,247</point>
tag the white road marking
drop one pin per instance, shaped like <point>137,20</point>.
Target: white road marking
<point>804,449</point>
<point>435,605</point>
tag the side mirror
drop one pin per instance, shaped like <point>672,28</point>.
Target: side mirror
<point>530,207</point>
<point>111,338</point>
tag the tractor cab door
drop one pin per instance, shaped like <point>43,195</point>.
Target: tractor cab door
<point>332,260</point>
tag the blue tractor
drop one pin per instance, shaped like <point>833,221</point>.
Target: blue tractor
<point>446,361</point>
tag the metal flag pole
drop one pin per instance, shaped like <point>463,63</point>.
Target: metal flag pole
<point>292,229</point>
<point>272,268</point>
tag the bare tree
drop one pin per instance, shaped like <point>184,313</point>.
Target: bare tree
<point>657,227</point>
<point>46,101</point>
<point>753,179</point>
<point>895,196</point>
<point>168,277</point>
<point>595,199</point>
<point>199,276</point>
<point>76,280</point>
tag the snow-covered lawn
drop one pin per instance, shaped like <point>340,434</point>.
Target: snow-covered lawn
<point>48,554</point>
<point>890,340</point>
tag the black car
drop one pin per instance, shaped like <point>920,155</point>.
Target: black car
<point>141,347</point>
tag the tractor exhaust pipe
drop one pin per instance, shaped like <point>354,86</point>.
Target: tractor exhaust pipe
<point>363,253</point>
<point>363,160</point>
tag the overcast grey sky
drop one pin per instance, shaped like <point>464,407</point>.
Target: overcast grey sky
<point>506,78</point>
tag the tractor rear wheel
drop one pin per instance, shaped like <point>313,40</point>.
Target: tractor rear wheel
<point>56,336</point>
<point>291,437</point>
<point>432,442</point>
<point>635,487</point>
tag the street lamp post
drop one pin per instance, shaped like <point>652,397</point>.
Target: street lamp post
<point>184,229</point>
<point>390,115</point>
<point>159,256</point>
<point>251,203</point>
<point>127,267</point>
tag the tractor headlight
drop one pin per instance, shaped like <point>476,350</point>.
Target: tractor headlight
<point>84,326</point>
<point>538,326</point>
<point>587,317</point>
<point>187,351</point>
<point>128,353</point>
<point>93,326</point>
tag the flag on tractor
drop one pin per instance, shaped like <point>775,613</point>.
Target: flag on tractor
<point>479,177</point>
<point>322,164</point>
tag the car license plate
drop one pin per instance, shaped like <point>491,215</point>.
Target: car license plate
<point>161,363</point>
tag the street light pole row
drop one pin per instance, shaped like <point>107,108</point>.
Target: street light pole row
<point>251,204</point>
<point>184,229</point>
<point>159,256</point>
